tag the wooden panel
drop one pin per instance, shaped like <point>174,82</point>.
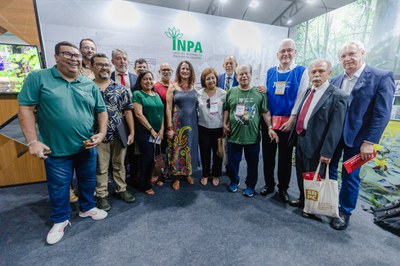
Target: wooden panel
<point>17,166</point>
<point>8,106</point>
<point>18,17</point>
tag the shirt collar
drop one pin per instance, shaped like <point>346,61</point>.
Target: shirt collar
<point>119,73</point>
<point>357,74</point>
<point>231,76</point>
<point>290,68</point>
<point>324,86</point>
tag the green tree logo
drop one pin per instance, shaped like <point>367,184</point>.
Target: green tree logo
<point>174,34</point>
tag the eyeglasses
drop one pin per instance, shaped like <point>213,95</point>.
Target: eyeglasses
<point>88,48</point>
<point>101,65</point>
<point>289,50</point>
<point>208,103</point>
<point>68,55</point>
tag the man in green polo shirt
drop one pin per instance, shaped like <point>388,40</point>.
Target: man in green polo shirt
<point>244,106</point>
<point>67,106</point>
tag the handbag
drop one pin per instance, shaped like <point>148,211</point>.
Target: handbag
<point>160,166</point>
<point>321,197</point>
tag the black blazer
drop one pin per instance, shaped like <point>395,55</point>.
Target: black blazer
<point>325,126</point>
<point>132,79</point>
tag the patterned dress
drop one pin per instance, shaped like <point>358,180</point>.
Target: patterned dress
<point>183,148</point>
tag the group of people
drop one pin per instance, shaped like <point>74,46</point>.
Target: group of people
<point>89,117</point>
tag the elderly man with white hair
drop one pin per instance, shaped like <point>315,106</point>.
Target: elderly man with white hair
<point>370,93</point>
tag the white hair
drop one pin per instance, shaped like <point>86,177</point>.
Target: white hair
<point>318,61</point>
<point>291,41</point>
<point>247,66</point>
<point>359,45</point>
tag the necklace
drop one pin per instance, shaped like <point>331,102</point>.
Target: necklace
<point>185,88</point>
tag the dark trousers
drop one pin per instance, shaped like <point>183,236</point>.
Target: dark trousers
<point>284,158</point>
<point>350,182</point>
<point>251,154</point>
<point>146,161</point>
<point>304,165</point>
<point>208,140</point>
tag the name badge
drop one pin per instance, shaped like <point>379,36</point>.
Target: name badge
<point>280,87</point>
<point>214,108</point>
<point>239,110</point>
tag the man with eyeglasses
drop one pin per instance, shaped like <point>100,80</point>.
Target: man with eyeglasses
<point>88,48</point>
<point>120,60</point>
<point>119,107</point>
<point>67,106</point>
<point>286,83</point>
<point>370,93</point>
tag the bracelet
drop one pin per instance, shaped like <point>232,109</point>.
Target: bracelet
<point>150,129</point>
<point>269,127</point>
<point>31,142</point>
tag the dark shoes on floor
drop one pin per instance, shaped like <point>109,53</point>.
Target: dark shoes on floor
<point>284,196</point>
<point>127,196</point>
<point>266,190</point>
<point>103,204</point>
<point>340,223</point>
<point>297,203</point>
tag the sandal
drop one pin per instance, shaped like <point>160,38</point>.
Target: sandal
<point>204,181</point>
<point>215,181</point>
<point>149,192</point>
<point>190,180</point>
<point>153,179</point>
<point>176,184</point>
<point>159,183</point>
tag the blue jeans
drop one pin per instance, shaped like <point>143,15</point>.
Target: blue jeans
<point>59,172</point>
<point>350,182</point>
<point>251,154</point>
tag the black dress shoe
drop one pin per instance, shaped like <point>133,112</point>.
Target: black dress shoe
<point>340,223</point>
<point>266,190</point>
<point>296,203</point>
<point>284,196</point>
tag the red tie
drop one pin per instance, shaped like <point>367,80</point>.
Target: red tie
<point>303,112</point>
<point>123,79</point>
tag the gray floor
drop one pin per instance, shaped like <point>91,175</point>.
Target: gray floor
<point>194,226</point>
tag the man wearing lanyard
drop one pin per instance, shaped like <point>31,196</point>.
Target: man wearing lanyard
<point>370,93</point>
<point>244,107</point>
<point>286,85</point>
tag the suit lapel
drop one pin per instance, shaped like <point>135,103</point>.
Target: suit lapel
<point>321,101</point>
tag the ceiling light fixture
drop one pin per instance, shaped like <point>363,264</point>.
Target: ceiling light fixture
<point>254,4</point>
<point>289,22</point>
<point>223,1</point>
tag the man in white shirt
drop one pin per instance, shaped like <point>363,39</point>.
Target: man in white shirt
<point>319,124</point>
<point>228,80</point>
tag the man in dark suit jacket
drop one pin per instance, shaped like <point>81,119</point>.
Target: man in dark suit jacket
<point>119,59</point>
<point>370,93</point>
<point>319,124</point>
<point>228,80</point>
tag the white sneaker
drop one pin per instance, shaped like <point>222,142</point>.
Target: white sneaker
<point>95,213</point>
<point>57,232</point>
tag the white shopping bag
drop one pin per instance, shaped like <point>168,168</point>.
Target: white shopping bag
<point>321,197</point>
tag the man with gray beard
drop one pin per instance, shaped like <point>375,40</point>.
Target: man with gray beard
<point>118,104</point>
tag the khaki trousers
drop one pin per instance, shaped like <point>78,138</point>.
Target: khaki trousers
<point>116,152</point>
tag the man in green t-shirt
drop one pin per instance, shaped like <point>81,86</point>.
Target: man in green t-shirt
<point>242,111</point>
<point>67,105</point>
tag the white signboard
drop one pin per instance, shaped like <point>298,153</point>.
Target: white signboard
<point>159,34</point>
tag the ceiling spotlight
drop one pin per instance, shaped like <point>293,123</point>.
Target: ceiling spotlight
<point>223,1</point>
<point>254,4</point>
<point>311,1</point>
<point>289,21</point>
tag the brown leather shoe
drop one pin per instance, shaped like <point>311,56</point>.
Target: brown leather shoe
<point>190,180</point>
<point>215,181</point>
<point>203,181</point>
<point>72,195</point>
<point>176,185</point>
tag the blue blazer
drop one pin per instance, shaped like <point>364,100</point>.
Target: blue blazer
<point>369,106</point>
<point>221,81</point>
<point>132,79</point>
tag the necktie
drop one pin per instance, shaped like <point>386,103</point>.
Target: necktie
<point>123,79</point>
<point>303,112</point>
<point>227,83</point>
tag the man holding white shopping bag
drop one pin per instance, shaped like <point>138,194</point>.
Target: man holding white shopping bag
<point>318,126</point>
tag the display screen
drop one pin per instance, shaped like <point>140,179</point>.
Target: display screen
<point>16,61</point>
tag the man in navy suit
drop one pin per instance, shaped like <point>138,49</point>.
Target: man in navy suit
<point>119,58</point>
<point>370,99</point>
<point>228,80</point>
